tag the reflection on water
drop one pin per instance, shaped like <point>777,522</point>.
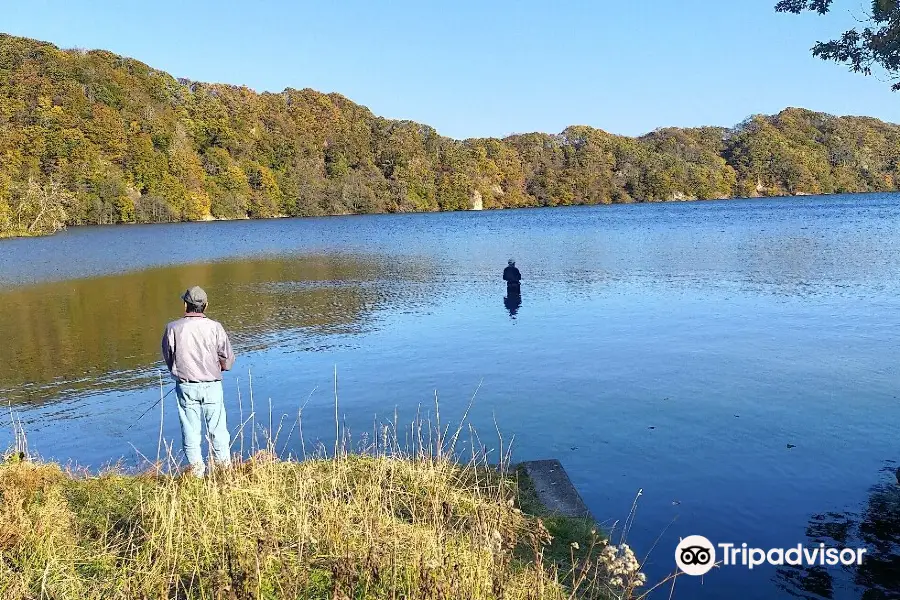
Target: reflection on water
<point>104,332</point>
<point>512,302</point>
<point>876,528</point>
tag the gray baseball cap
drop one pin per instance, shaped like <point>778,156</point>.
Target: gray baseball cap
<point>195,296</point>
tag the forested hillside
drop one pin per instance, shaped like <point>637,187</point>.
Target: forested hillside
<point>92,137</point>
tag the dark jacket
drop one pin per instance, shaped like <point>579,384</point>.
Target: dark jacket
<point>511,275</point>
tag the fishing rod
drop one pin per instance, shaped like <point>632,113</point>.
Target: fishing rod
<point>155,404</point>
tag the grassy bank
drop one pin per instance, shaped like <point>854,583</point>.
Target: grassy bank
<point>354,526</point>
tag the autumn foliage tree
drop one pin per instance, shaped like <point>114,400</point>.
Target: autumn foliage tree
<point>96,138</point>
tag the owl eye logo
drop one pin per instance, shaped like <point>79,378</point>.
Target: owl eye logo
<point>695,555</point>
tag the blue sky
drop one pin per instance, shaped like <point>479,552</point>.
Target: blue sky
<point>489,68</point>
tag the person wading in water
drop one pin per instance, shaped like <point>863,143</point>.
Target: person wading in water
<point>196,350</point>
<point>512,277</point>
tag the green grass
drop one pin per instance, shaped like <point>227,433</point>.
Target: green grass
<point>565,532</point>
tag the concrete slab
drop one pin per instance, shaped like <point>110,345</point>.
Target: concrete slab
<point>554,488</point>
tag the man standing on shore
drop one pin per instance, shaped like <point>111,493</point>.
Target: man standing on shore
<point>196,350</point>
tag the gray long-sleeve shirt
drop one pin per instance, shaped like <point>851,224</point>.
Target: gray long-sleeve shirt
<point>196,348</point>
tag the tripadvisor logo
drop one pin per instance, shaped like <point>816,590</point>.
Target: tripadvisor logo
<point>696,555</point>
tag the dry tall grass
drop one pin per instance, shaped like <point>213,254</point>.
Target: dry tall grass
<point>378,523</point>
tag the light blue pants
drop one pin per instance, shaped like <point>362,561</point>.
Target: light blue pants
<point>199,402</point>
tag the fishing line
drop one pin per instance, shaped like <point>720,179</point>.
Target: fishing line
<point>155,404</point>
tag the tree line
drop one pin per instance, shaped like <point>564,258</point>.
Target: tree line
<point>89,137</point>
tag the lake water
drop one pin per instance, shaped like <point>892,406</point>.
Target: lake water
<point>677,349</point>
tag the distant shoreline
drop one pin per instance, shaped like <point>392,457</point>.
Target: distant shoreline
<point>496,209</point>
<point>133,144</point>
